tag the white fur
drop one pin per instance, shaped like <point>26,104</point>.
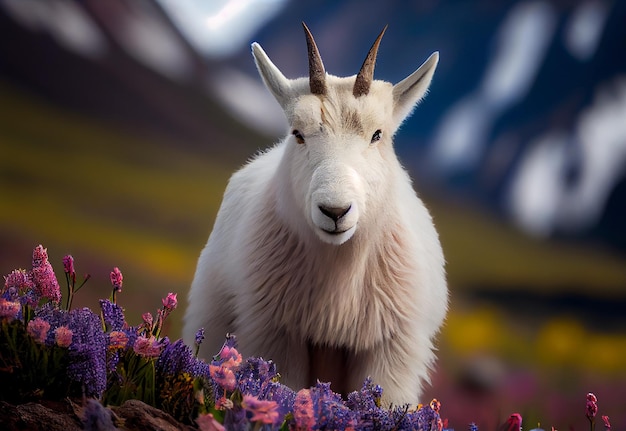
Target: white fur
<point>271,272</point>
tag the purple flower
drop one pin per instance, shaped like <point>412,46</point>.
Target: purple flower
<point>112,315</point>
<point>63,336</point>
<point>177,358</point>
<point>38,329</point>
<point>88,351</point>
<point>117,279</point>
<point>591,408</point>
<point>473,427</point>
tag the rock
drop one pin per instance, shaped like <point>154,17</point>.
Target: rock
<point>138,416</point>
<point>66,415</point>
<point>58,416</point>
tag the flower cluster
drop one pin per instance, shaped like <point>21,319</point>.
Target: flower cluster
<point>53,352</point>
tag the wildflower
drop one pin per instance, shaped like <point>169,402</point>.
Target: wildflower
<point>147,320</point>
<point>591,408</point>
<point>230,357</point>
<point>9,309</point>
<point>87,351</point>
<point>224,403</point>
<point>435,405</point>
<point>513,423</point>
<point>117,340</point>
<point>303,410</point>
<point>473,427</point>
<point>18,282</point>
<point>223,376</point>
<point>117,279</point>
<point>38,329</point>
<point>170,302</point>
<point>63,336</point>
<point>148,347</point>
<point>68,265</point>
<point>44,280</point>
<point>607,424</point>
<point>176,358</point>
<point>208,423</point>
<point>262,411</point>
<point>112,315</point>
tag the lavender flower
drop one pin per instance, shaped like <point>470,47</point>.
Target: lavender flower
<point>112,315</point>
<point>473,427</point>
<point>199,337</point>
<point>177,358</point>
<point>88,352</point>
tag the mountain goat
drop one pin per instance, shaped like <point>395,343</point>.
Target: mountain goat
<point>322,257</point>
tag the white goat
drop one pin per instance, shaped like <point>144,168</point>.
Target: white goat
<point>322,257</point>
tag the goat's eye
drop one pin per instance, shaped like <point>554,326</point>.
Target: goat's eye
<point>376,136</point>
<point>299,137</point>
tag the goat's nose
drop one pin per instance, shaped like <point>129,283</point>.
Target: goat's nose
<point>334,213</point>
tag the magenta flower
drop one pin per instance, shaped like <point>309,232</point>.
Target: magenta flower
<point>19,280</point>
<point>68,265</point>
<point>591,408</point>
<point>147,320</point>
<point>117,279</point>
<point>63,336</point>
<point>208,423</point>
<point>147,347</point>
<point>44,280</point>
<point>169,302</point>
<point>607,423</point>
<point>230,357</point>
<point>9,309</point>
<point>262,411</point>
<point>38,329</point>
<point>513,423</point>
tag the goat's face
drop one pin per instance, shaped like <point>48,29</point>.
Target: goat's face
<point>339,153</point>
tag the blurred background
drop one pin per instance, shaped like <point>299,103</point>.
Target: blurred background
<point>121,121</point>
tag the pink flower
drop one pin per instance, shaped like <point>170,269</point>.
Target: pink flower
<point>147,320</point>
<point>40,255</point>
<point>9,309</point>
<point>38,329</point>
<point>208,423</point>
<point>262,411</point>
<point>607,423</point>
<point>44,280</point>
<point>170,302</point>
<point>68,264</point>
<point>230,356</point>
<point>116,279</point>
<point>513,423</point>
<point>147,347</point>
<point>223,376</point>
<point>20,280</point>
<point>117,340</point>
<point>63,336</point>
<point>591,408</point>
<point>303,410</point>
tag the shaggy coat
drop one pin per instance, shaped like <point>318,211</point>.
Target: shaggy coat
<point>322,257</point>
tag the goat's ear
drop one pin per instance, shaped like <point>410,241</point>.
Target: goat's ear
<point>274,80</point>
<point>408,92</point>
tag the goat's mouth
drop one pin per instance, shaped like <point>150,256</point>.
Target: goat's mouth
<point>335,232</point>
